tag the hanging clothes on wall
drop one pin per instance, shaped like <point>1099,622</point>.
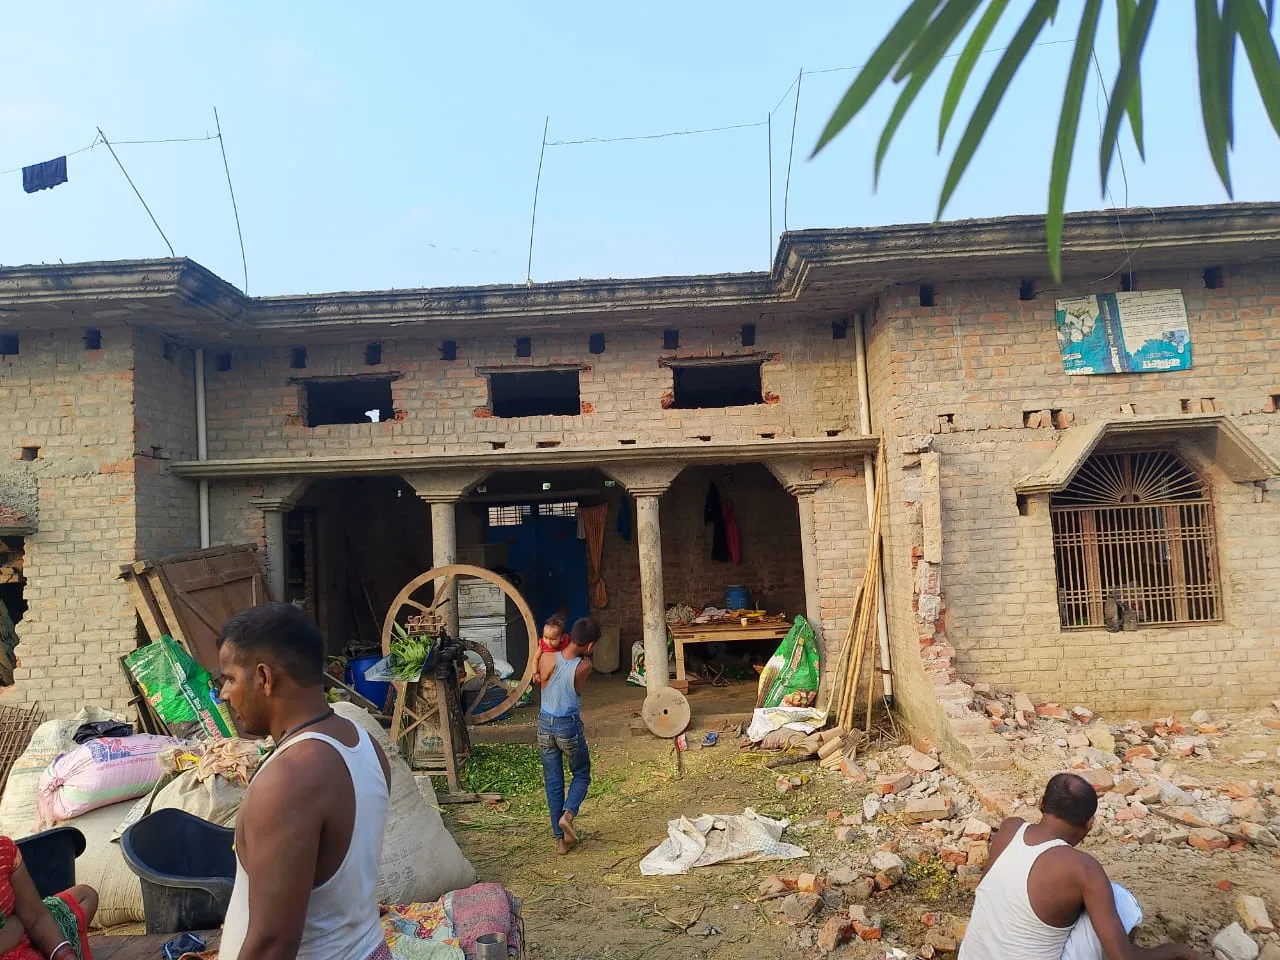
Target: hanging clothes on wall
<point>732,535</point>
<point>713,513</point>
<point>593,520</point>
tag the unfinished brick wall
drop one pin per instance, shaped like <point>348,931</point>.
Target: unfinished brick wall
<point>254,410</point>
<point>76,406</point>
<point>164,399</point>
<point>841,528</point>
<point>967,372</point>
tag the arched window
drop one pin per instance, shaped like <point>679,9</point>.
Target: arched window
<point>1133,536</point>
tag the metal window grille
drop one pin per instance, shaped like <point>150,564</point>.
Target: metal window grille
<point>509,515</point>
<point>569,509</point>
<point>1137,530</point>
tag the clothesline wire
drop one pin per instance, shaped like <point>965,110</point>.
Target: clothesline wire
<point>120,143</point>
<point>657,136</point>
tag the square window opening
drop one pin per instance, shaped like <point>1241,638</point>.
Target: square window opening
<point>347,400</point>
<point>709,386</point>
<point>538,393</point>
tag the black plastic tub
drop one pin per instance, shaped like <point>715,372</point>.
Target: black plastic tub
<point>50,858</point>
<point>187,867</point>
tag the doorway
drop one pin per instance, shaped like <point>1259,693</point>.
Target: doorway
<point>545,552</point>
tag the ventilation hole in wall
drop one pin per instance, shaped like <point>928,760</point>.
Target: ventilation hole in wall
<point>947,419</point>
<point>8,344</point>
<point>449,350</point>
<point>29,453</point>
<point>1275,403</point>
<point>1213,278</point>
<point>748,334</point>
<point>498,444</point>
<point>1027,289</point>
<point>373,353</point>
<point>1202,405</point>
<point>298,358</point>
<point>767,436</point>
<point>223,362</point>
<point>839,329</point>
<point>705,438</point>
<point>926,295</point>
<point>1056,419</point>
<point>524,347</point>
<point>627,443</point>
<point>547,444</point>
<point>1024,505</point>
<point>169,350</point>
<point>1128,282</point>
<point>670,339</point>
<point>834,433</point>
<point>595,343</point>
<point>93,339</point>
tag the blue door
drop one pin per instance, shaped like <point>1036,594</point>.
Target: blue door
<point>551,561</point>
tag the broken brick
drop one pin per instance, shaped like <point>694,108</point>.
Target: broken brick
<point>1051,711</point>
<point>836,931</point>
<point>924,809</point>
<point>1100,780</point>
<point>892,783</point>
<point>1133,753</point>
<point>1207,839</point>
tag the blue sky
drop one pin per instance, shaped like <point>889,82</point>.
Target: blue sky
<point>396,145</point>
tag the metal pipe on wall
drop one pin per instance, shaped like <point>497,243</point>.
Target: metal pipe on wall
<point>202,447</point>
<point>870,482</point>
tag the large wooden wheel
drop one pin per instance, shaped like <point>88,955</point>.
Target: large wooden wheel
<point>427,598</point>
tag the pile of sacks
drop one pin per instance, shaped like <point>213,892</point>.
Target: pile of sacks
<point>104,785</point>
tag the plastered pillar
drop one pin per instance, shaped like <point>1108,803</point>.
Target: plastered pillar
<point>441,491</point>
<point>277,499</point>
<point>646,483</point>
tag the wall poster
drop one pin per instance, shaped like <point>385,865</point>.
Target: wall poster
<point>1144,331</point>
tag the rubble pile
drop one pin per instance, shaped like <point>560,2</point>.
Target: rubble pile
<point>1143,794</point>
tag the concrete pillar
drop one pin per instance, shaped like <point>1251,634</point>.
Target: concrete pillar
<point>441,490</point>
<point>273,518</point>
<point>278,497</point>
<point>653,603</point>
<point>804,492</point>
<point>444,551</point>
<point>647,482</point>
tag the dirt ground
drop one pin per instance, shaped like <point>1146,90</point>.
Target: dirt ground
<point>593,903</point>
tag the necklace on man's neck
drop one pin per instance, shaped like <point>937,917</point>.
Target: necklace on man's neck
<point>328,712</point>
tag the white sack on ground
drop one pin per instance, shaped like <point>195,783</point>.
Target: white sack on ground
<point>765,720</point>
<point>740,838</point>
<point>420,859</point>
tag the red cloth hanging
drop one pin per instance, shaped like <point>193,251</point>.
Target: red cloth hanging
<point>732,534</point>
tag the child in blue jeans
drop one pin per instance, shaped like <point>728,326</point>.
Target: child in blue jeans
<point>562,674</point>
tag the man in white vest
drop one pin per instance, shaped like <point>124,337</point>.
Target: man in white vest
<point>309,832</point>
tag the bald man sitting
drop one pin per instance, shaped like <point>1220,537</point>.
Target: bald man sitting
<point>1042,899</point>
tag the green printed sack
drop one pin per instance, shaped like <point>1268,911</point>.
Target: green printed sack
<point>180,691</point>
<point>790,678</point>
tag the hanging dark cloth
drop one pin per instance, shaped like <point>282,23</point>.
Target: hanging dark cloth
<point>713,513</point>
<point>42,176</point>
<point>624,518</point>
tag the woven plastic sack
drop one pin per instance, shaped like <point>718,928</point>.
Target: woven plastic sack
<point>100,773</point>
<point>180,690</point>
<point>420,859</point>
<point>790,678</point>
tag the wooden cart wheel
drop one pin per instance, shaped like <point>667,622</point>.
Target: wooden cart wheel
<point>420,598</point>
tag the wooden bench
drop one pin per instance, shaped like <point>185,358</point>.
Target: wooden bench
<point>687,633</point>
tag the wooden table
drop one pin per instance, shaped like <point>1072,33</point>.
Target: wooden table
<point>686,633</point>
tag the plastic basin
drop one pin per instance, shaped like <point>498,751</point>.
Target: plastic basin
<point>50,858</point>
<point>187,867</point>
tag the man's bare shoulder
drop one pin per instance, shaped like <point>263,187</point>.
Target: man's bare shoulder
<point>302,771</point>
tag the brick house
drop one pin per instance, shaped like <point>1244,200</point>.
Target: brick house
<point>360,437</point>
